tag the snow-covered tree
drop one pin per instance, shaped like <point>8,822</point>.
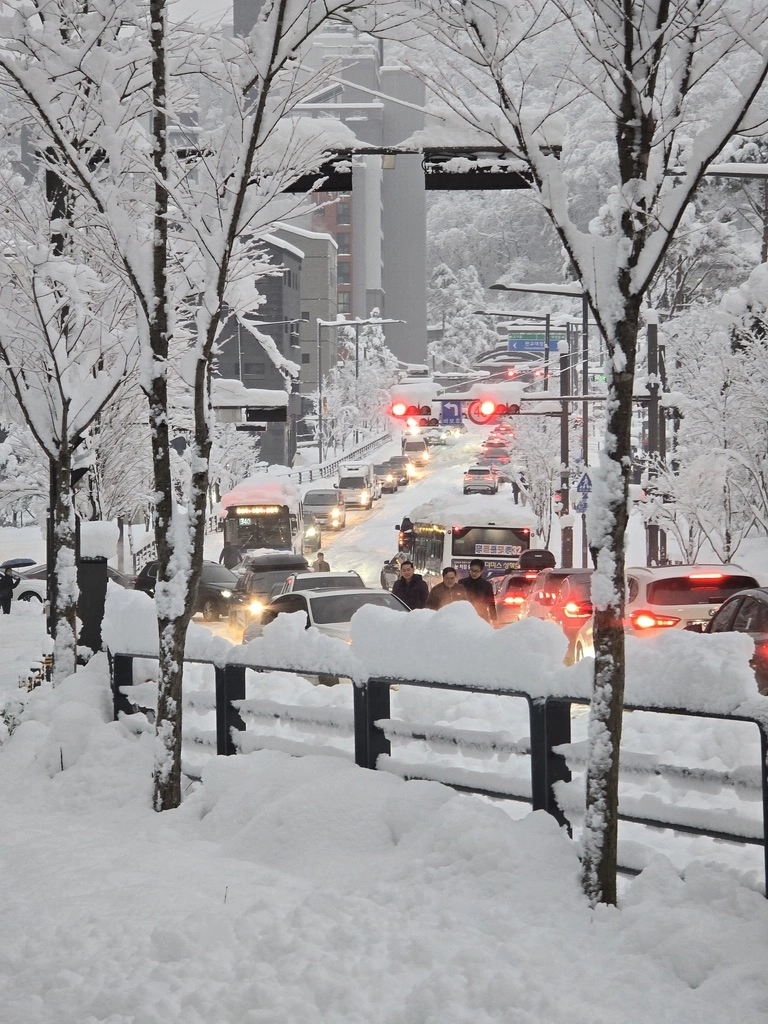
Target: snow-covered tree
<point>672,82</point>
<point>109,89</point>
<point>66,342</point>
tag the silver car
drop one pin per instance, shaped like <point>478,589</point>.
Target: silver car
<point>480,480</point>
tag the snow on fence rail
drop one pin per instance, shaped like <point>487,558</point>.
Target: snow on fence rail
<point>147,550</point>
<point>546,782</point>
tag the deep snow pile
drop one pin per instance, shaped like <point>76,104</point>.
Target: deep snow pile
<point>305,889</point>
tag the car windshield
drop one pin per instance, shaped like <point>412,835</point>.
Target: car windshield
<point>341,607</point>
<point>693,590</point>
<point>321,498</point>
<point>352,481</point>
<point>219,574</point>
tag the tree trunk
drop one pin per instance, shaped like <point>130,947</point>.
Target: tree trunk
<point>172,621</point>
<point>607,546</point>
<point>62,572</point>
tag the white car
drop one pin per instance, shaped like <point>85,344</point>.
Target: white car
<point>481,480</point>
<point>330,611</point>
<point>671,597</point>
<point>321,581</point>
<point>33,583</point>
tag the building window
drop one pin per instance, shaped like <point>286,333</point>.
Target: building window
<point>344,302</point>
<point>305,357</point>
<point>343,211</point>
<point>343,240</point>
<point>254,369</point>
<point>344,272</point>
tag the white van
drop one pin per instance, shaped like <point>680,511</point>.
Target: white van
<point>367,472</point>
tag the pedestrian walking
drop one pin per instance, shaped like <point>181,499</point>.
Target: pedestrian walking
<point>320,564</point>
<point>230,556</point>
<point>480,591</point>
<point>411,587</point>
<point>8,583</point>
<point>446,592</point>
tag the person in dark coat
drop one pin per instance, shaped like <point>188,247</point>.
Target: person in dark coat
<point>411,587</point>
<point>446,592</point>
<point>480,591</point>
<point>8,583</point>
<point>230,556</point>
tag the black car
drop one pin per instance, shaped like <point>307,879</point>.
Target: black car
<point>746,612</point>
<point>400,464</point>
<point>387,477</point>
<point>313,537</point>
<point>259,576</point>
<point>214,594</point>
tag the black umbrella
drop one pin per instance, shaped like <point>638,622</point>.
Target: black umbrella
<point>17,563</point>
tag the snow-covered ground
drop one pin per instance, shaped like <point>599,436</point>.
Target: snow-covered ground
<point>302,889</point>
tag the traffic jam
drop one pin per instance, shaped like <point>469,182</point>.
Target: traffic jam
<point>461,529</point>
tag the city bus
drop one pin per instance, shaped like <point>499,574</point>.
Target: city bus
<point>262,514</point>
<point>442,533</point>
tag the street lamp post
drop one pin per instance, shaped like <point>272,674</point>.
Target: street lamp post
<point>574,291</point>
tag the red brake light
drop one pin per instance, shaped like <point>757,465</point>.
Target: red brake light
<point>706,576</point>
<point>511,372</point>
<point>531,575</point>
<point>513,600</point>
<point>575,610</point>
<point>647,620</point>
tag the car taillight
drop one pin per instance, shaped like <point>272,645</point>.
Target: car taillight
<point>513,600</point>
<point>648,620</point>
<point>577,609</point>
<point>706,576</point>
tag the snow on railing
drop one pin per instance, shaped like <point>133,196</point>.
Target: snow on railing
<point>544,752</point>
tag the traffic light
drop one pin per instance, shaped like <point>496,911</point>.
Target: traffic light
<point>487,410</point>
<point>414,415</point>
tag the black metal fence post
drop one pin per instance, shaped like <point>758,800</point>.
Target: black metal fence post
<point>230,685</point>
<point>371,703</point>
<point>122,675</point>
<point>550,726</point>
<point>764,779</point>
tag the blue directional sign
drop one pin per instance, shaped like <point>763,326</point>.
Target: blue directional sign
<point>581,504</point>
<point>584,486</point>
<point>450,414</point>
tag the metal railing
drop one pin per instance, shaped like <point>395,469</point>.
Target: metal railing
<point>550,752</point>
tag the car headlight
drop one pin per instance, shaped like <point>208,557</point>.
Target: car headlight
<point>311,531</point>
<point>390,478</point>
<point>410,469</point>
<point>364,496</point>
<point>425,456</point>
<point>255,607</point>
<point>226,593</point>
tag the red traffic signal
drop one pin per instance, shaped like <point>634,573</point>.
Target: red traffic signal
<point>414,415</point>
<point>486,410</point>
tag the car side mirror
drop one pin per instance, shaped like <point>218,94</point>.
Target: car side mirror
<point>336,487</point>
<point>397,526</point>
